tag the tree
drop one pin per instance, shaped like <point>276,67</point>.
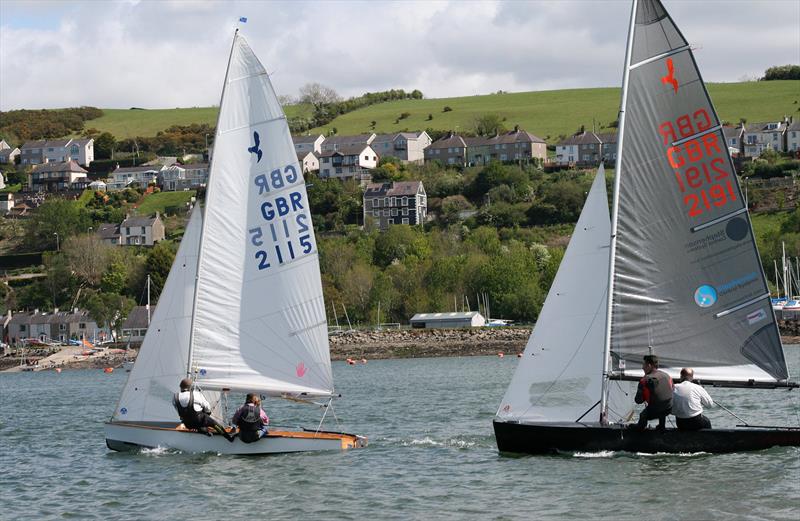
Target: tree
<point>782,72</point>
<point>159,262</point>
<point>108,309</point>
<point>317,95</point>
<point>398,242</point>
<point>104,145</point>
<point>488,125</point>
<point>53,222</point>
<point>87,256</point>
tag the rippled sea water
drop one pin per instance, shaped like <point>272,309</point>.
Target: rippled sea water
<point>432,455</point>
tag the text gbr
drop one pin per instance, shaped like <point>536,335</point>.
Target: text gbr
<point>282,218</point>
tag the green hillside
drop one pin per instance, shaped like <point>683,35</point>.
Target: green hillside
<point>125,123</point>
<point>547,114</point>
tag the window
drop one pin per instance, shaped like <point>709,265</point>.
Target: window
<point>405,211</point>
<point>386,213</point>
<point>23,328</point>
<point>75,149</point>
<point>376,203</point>
<point>366,158</point>
<point>143,230</point>
<point>405,220</point>
<point>62,327</point>
<point>374,158</point>
<point>376,213</point>
<point>394,212</point>
<point>385,201</point>
<point>82,325</point>
<point>393,201</point>
<point>326,160</point>
<point>338,170</point>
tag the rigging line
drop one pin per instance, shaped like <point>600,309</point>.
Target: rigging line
<point>319,427</point>
<point>731,413</point>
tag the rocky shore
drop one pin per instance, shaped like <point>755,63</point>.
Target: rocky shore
<point>395,343</point>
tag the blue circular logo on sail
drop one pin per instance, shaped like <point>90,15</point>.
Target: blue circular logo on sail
<point>123,410</point>
<point>202,372</point>
<point>705,296</point>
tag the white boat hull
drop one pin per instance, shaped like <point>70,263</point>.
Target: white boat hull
<point>130,436</point>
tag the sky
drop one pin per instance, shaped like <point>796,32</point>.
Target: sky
<point>173,53</point>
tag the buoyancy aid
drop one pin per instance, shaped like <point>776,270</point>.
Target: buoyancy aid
<point>191,418</point>
<point>657,390</point>
<point>250,423</point>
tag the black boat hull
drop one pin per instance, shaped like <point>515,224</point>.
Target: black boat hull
<point>544,438</point>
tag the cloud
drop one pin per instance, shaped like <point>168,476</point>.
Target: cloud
<point>173,53</point>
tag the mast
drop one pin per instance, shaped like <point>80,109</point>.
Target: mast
<point>208,199</point>
<point>614,217</point>
<point>148,299</point>
<point>786,290</point>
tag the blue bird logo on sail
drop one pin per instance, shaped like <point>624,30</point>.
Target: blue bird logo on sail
<point>705,296</point>
<point>255,148</point>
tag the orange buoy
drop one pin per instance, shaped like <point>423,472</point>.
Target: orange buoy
<point>501,355</point>
<point>350,361</point>
<point>58,369</point>
<point>363,360</point>
<point>108,369</point>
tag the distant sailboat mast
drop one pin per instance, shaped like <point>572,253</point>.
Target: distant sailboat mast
<point>615,218</point>
<point>208,198</point>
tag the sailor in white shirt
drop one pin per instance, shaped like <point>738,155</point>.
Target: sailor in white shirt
<point>688,400</point>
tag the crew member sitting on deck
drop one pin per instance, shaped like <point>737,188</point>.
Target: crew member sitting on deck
<point>688,402</point>
<point>251,419</point>
<point>655,388</point>
<point>195,411</point>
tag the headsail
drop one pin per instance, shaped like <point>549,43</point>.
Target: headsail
<point>557,378</point>
<point>687,281</point>
<point>161,362</point>
<point>259,319</point>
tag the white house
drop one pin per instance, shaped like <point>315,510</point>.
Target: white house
<point>309,162</point>
<point>121,177</point>
<point>339,142</point>
<point>56,176</point>
<point>348,162</point>
<point>793,137</point>
<point>306,144</point>
<point>761,136</point>
<point>179,177</point>
<point>57,151</point>
<point>7,153</point>
<point>141,231</point>
<point>733,139</point>
<point>408,147</point>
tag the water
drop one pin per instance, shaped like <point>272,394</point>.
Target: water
<point>431,456</point>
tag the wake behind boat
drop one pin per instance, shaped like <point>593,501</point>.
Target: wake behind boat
<point>242,308</point>
<point>675,273</point>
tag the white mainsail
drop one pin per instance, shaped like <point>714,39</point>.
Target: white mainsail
<point>161,362</point>
<point>259,317</point>
<point>558,377</point>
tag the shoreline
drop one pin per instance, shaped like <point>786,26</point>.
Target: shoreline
<point>358,345</point>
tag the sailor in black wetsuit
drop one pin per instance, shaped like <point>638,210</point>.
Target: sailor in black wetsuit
<point>251,419</point>
<point>655,388</point>
<point>195,411</point>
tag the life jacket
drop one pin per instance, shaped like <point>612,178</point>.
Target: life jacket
<point>250,423</point>
<point>191,419</point>
<point>657,390</point>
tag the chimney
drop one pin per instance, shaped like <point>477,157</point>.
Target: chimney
<point>75,310</point>
<point>516,128</point>
<point>55,310</point>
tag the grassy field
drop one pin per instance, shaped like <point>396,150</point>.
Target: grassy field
<point>125,123</point>
<point>157,202</point>
<point>548,114</point>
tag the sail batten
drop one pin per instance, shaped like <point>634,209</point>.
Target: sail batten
<point>694,296</point>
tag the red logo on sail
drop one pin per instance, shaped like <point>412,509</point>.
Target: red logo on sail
<point>300,370</point>
<point>670,77</point>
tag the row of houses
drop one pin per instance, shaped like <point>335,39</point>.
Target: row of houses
<point>58,326</point>
<point>49,151</point>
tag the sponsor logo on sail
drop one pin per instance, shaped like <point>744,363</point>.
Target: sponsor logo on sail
<point>738,283</point>
<point>705,296</point>
<point>756,316</point>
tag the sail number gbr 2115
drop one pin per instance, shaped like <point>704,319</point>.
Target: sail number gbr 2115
<point>283,232</point>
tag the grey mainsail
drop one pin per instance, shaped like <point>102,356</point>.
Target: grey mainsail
<point>687,282</point>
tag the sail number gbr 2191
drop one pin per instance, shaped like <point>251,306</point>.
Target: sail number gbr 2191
<point>701,169</point>
<point>283,232</point>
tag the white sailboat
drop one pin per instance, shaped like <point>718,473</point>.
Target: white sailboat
<point>674,273</point>
<point>242,308</point>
